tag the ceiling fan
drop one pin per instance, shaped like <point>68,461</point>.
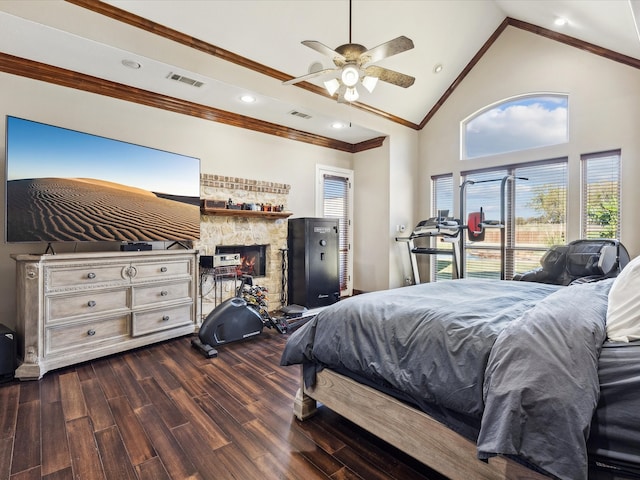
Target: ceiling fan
<point>354,63</point>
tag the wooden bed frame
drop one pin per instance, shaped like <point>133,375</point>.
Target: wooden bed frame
<point>406,428</point>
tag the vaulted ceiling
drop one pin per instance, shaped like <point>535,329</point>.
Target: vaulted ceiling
<point>261,41</point>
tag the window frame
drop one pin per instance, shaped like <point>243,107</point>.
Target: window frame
<point>585,160</point>
<point>511,248</point>
<point>345,253</point>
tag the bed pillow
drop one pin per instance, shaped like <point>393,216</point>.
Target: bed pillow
<point>623,310</point>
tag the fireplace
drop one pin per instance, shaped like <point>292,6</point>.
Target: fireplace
<point>252,258</point>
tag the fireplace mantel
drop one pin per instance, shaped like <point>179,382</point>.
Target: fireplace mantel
<point>228,212</point>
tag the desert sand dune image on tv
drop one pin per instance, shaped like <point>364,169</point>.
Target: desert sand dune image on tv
<point>73,209</point>
<point>64,185</point>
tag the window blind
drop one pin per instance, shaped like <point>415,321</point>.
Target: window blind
<point>600,208</point>
<point>442,199</point>
<point>336,198</point>
<point>535,216</point>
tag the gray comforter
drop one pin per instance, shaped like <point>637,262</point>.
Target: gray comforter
<point>519,357</point>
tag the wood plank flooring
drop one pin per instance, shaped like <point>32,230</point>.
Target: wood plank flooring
<point>166,412</point>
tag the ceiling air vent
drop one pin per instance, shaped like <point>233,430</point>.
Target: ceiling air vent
<point>300,114</point>
<point>183,79</point>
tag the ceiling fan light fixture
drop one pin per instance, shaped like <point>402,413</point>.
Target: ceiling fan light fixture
<point>353,63</point>
<point>350,76</point>
<point>370,83</point>
<point>351,94</point>
<point>332,86</point>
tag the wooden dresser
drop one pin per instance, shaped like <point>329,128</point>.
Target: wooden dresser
<point>80,306</point>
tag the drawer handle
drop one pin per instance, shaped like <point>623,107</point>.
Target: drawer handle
<point>91,303</point>
<point>91,275</point>
<point>165,318</point>
<point>163,269</point>
<point>164,293</point>
<point>91,332</point>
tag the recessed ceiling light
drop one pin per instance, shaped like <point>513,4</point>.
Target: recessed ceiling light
<point>246,98</point>
<point>337,125</point>
<point>131,64</point>
<point>438,68</point>
<point>561,21</point>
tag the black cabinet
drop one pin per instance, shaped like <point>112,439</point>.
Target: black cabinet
<point>313,262</point>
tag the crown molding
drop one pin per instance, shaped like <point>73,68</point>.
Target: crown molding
<point>79,81</point>
<point>265,127</point>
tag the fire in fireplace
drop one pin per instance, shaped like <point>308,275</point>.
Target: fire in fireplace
<point>252,258</point>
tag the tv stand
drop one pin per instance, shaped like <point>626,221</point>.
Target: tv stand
<point>74,307</point>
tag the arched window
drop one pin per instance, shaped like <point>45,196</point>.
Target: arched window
<point>521,123</point>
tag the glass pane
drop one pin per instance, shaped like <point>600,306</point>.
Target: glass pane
<point>601,196</point>
<point>526,260</point>
<point>519,124</point>
<point>336,197</point>
<point>483,263</point>
<point>442,265</point>
<point>482,259</point>
<point>535,216</point>
<point>541,206</point>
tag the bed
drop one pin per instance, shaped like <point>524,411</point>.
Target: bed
<point>480,379</point>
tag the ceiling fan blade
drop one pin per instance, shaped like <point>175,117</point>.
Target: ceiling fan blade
<point>309,76</point>
<point>389,76</point>
<point>323,49</point>
<point>385,50</point>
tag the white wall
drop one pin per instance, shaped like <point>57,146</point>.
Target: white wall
<point>371,208</point>
<point>385,197</point>
<point>604,114</point>
<point>404,186</point>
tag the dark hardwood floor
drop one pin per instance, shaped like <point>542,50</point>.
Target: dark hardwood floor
<point>166,412</point>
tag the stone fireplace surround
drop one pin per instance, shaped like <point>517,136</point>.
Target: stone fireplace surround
<point>221,230</point>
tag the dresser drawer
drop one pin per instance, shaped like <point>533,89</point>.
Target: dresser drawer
<point>63,307</point>
<point>81,337</point>
<point>78,277</point>
<point>164,292</point>
<point>164,269</point>
<point>161,319</point>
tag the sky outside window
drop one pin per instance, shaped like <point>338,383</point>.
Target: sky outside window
<point>519,124</point>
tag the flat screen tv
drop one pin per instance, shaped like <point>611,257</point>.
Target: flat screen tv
<point>68,186</point>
